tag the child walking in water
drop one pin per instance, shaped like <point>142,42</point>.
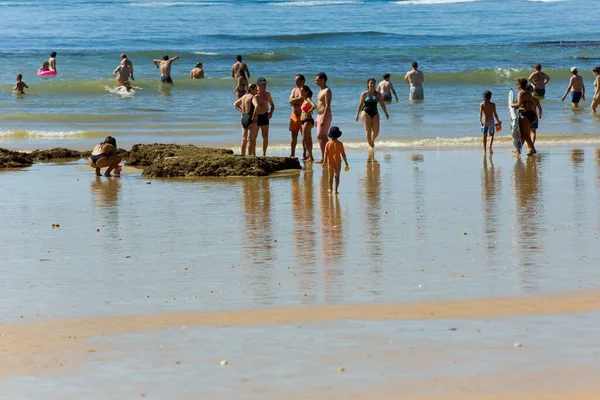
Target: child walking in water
<point>487,109</point>
<point>334,152</point>
<point>20,85</point>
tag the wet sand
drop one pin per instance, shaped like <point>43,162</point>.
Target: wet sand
<point>418,278</point>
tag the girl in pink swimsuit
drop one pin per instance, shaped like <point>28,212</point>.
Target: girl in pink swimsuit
<point>307,107</point>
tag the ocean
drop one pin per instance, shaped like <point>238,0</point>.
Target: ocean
<point>463,46</point>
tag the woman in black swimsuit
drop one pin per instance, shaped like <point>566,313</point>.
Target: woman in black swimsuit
<point>526,106</point>
<point>105,155</point>
<point>245,105</point>
<point>369,114</point>
<point>306,118</point>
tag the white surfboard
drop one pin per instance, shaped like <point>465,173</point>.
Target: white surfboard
<point>513,120</point>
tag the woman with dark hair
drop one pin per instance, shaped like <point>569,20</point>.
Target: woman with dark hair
<point>105,155</point>
<point>527,116</point>
<point>306,118</point>
<point>596,98</point>
<point>245,105</point>
<point>52,61</point>
<point>367,108</point>
<point>242,84</point>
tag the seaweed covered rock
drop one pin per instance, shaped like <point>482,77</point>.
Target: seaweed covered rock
<point>59,153</point>
<point>148,154</point>
<point>15,159</point>
<point>167,161</point>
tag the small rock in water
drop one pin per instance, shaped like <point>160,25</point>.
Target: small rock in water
<point>224,362</point>
<point>518,345</point>
<point>341,369</point>
<point>148,183</point>
<point>55,226</point>
<point>464,233</point>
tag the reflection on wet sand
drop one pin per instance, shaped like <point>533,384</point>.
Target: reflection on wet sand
<point>258,229</point>
<point>304,217</point>
<point>372,202</point>
<point>106,191</point>
<point>419,197</point>
<point>577,157</point>
<point>529,208</point>
<point>491,188</point>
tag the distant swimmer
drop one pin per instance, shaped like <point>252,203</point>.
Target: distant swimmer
<point>306,118</point>
<point>242,84</point>
<point>124,71</point>
<point>527,116</point>
<point>52,61</point>
<point>262,114</point>
<point>596,99</point>
<point>105,155</point>
<point>245,105</point>
<point>165,68</point>
<point>197,72</point>
<point>20,85</point>
<point>323,121</point>
<point>415,79</point>
<point>386,89</point>
<point>44,68</point>
<point>128,88</point>
<point>296,100</point>
<point>576,87</point>
<point>487,113</point>
<point>239,65</point>
<point>367,109</point>
<point>539,80</point>
<point>538,114</point>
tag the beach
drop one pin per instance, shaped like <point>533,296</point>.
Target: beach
<point>434,272</point>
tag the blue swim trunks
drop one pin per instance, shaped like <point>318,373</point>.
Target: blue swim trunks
<point>489,126</point>
<point>534,125</point>
<point>575,97</point>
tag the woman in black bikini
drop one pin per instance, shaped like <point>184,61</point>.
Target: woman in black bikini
<point>369,114</point>
<point>526,106</point>
<point>245,105</point>
<point>306,118</point>
<point>105,155</point>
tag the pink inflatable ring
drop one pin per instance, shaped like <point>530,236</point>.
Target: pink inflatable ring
<point>43,73</point>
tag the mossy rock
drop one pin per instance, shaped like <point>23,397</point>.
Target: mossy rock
<point>169,161</point>
<point>59,153</point>
<point>149,154</point>
<point>14,159</point>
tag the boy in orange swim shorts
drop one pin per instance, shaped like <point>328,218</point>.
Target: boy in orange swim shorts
<point>334,153</point>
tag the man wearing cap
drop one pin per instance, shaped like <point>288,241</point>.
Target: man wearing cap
<point>296,101</point>
<point>576,87</point>
<point>262,101</point>
<point>323,121</point>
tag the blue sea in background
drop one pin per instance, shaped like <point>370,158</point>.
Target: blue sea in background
<point>464,47</point>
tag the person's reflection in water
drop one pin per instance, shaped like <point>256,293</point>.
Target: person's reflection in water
<point>372,201</point>
<point>304,218</point>
<point>529,208</point>
<point>419,196</point>
<point>106,194</point>
<point>577,157</point>
<point>256,194</point>
<point>491,187</point>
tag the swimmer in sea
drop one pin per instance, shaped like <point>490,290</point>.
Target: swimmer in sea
<point>165,68</point>
<point>306,118</point>
<point>52,61</point>
<point>385,88</point>
<point>367,108</point>
<point>239,65</point>
<point>20,85</point>
<point>105,155</point>
<point>245,105</point>
<point>242,84</point>
<point>128,88</point>
<point>124,71</point>
<point>576,87</point>
<point>415,79</point>
<point>45,67</point>
<point>197,72</point>
<point>538,80</point>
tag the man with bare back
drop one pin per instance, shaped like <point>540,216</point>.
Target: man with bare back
<point>415,79</point>
<point>323,121</point>
<point>165,68</point>
<point>124,71</point>
<point>239,65</point>
<point>262,114</point>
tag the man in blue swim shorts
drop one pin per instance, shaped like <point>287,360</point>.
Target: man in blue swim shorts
<point>165,68</point>
<point>576,87</point>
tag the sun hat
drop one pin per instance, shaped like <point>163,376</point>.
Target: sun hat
<point>573,69</point>
<point>261,80</point>
<point>334,132</point>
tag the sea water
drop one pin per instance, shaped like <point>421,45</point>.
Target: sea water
<point>463,46</point>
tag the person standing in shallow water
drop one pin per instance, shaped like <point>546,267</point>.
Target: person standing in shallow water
<point>539,80</point>
<point>197,72</point>
<point>165,68</point>
<point>596,98</point>
<point>334,153</point>
<point>576,87</point>
<point>526,106</point>
<point>262,114</point>
<point>105,155</point>
<point>239,65</point>
<point>52,61</point>
<point>296,100</point>
<point>386,88</point>
<point>323,121</point>
<point>415,79</point>
<point>245,105</point>
<point>367,108</point>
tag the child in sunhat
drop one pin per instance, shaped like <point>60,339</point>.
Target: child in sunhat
<point>334,153</point>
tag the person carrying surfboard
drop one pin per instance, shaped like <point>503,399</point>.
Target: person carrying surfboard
<point>526,106</point>
<point>487,109</point>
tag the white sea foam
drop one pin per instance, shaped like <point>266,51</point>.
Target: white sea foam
<point>161,4</point>
<point>431,2</point>
<point>313,3</point>
<point>202,53</point>
<point>54,134</point>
